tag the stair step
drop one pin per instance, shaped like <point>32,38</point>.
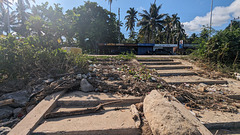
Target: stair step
<point>177,74</point>
<point>161,63</point>
<point>92,99</point>
<point>198,82</point>
<point>168,67</point>
<point>108,121</point>
<point>155,60</point>
<point>192,80</point>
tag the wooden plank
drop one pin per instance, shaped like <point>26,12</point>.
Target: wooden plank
<point>32,119</point>
<point>6,102</point>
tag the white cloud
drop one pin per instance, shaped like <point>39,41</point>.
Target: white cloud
<point>140,9</point>
<point>221,15</point>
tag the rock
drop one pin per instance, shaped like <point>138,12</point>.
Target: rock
<point>111,78</point>
<point>153,79</point>
<point>202,87</point>
<point>96,90</point>
<point>9,123</point>
<point>20,98</point>
<point>4,130</point>
<point>30,108</point>
<point>84,76</point>
<point>165,118</point>
<point>105,91</point>
<point>86,86</point>
<point>16,112</point>
<point>79,76</point>
<point>5,112</point>
<point>48,81</point>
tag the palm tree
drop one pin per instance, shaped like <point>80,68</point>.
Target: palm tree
<point>110,2</point>
<point>4,21</point>
<point>175,21</point>
<point>4,3</point>
<point>168,28</point>
<point>151,22</point>
<point>131,19</point>
<point>22,16</point>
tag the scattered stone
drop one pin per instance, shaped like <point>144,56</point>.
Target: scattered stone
<point>86,86</point>
<point>20,98</point>
<point>84,76</point>
<point>94,70</point>
<point>16,112</point>
<point>202,87</point>
<point>111,78</point>
<point>153,79</point>
<point>5,112</point>
<point>4,130</point>
<point>96,90</point>
<point>105,91</point>
<point>48,81</point>
<point>30,108</point>
<point>79,76</point>
<point>9,123</point>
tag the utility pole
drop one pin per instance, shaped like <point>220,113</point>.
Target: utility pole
<point>210,32</point>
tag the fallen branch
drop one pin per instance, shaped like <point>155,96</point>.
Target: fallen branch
<point>80,111</point>
<point>6,102</point>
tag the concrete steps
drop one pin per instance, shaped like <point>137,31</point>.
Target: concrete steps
<point>191,80</point>
<point>114,119</point>
<point>174,72</point>
<point>162,63</point>
<point>168,67</point>
<point>147,60</point>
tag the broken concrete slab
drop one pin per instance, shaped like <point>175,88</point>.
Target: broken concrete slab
<point>169,117</point>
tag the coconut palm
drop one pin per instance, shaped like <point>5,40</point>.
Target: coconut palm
<point>151,22</point>
<point>4,21</point>
<point>110,2</point>
<point>131,19</point>
<point>4,3</point>
<point>175,21</point>
<point>168,28</point>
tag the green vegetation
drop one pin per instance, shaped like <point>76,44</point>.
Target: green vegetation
<point>25,59</point>
<point>221,51</point>
<point>84,26</point>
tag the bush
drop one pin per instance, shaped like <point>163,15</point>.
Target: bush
<point>22,58</point>
<point>223,49</point>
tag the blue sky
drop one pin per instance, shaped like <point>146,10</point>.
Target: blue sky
<point>193,13</point>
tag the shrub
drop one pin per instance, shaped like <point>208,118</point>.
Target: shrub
<point>22,58</point>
